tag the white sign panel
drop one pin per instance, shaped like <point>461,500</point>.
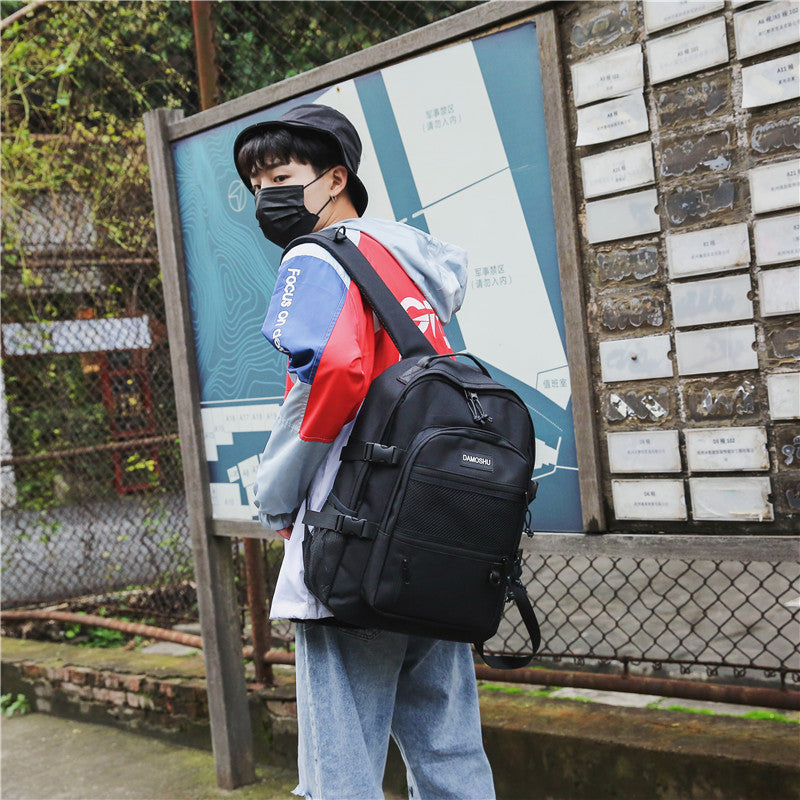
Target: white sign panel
<point>716,350</point>
<point>771,81</point>
<point>616,170</point>
<point>779,291</point>
<point>621,217</point>
<point>644,451</point>
<point>731,499</point>
<point>767,27</point>
<point>708,250</point>
<point>226,502</point>
<point>726,449</point>
<point>635,359</point>
<point>611,75</point>
<point>221,422</point>
<point>614,119</point>
<point>660,14</point>
<point>455,167</point>
<point>775,186</point>
<point>641,499</point>
<point>783,390</point>
<point>777,239</point>
<point>689,51</point>
<point>715,300</point>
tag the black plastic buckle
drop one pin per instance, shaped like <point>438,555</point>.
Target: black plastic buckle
<point>351,526</point>
<point>381,453</point>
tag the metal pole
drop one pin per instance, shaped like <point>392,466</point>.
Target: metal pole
<point>666,687</point>
<point>207,76</point>
<point>259,624</point>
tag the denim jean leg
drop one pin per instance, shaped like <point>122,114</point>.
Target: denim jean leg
<point>346,683</point>
<point>437,724</point>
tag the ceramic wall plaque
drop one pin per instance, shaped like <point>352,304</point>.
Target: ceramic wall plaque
<point>618,170</point>
<point>660,14</point>
<point>644,451</point>
<point>709,250</point>
<point>692,50</point>
<point>715,300</point>
<point>779,291</point>
<point>783,391</point>
<point>777,239</point>
<point>610,75</point>
<point>621,217</point>
<point>613,119</point>
<point>731,499</point>
<point>649,499</point>
<point>775,186</point>
<point>771,81</point>
<point>727,349</point>
<point>635,359</point>
<point>726,449</point>
<point>767,27</point>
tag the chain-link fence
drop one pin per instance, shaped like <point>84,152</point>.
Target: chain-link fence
<point>93,501</point>
<point>701,618</point>
<point>92,494</point>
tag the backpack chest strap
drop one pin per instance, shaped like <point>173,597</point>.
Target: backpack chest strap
<point>341,523</point>
<point>372,451</point>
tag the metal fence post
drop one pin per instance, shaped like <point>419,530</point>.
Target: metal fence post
<point>207,72</point>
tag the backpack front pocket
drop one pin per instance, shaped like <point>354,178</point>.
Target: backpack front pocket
<point>443,586</point>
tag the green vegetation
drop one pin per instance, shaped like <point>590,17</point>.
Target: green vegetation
<point>10,705</point>
<point>772,716</point>
<point>509,689</point>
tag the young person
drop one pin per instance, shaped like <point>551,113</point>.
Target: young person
<point>355,687</point>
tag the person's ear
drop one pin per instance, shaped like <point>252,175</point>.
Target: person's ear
<point>338,180</point>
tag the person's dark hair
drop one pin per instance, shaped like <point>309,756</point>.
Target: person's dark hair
<point>278,146</point>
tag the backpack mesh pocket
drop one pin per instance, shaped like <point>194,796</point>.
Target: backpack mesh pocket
<point>435,510</point>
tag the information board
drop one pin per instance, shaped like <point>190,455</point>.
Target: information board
<point>454,144</point>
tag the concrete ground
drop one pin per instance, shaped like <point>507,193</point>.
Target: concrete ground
<point>51,758</point>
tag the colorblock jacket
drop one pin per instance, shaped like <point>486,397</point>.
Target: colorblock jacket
<point>335,348</point>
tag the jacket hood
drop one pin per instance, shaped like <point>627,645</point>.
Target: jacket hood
<point>439,269</point>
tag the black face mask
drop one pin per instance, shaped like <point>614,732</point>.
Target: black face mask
<point>282,214</point>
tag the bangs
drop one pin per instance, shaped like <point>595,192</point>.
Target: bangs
<point>278,146</point>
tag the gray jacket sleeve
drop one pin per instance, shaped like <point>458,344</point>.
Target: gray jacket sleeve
<point>288,463</point>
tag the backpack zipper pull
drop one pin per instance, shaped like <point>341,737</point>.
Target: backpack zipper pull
<point>474,403</point>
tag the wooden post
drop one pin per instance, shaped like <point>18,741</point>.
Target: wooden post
<point>219,616</point>
<point>569,268</point>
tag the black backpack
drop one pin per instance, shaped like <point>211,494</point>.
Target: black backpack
<point>421,531</point>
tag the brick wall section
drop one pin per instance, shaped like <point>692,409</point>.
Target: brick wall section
<point>171,706</point>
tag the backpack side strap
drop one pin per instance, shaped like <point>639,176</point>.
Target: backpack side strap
<point>517,592</point>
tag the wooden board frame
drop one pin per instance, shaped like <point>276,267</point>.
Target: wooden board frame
<point>230,726</point>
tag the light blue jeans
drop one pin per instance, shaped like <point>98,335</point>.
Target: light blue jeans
<point>357,687</point>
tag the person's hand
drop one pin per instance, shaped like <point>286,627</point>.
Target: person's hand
<point>285,533</point>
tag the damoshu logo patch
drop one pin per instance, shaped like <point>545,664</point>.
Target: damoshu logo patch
<point>476,461</point>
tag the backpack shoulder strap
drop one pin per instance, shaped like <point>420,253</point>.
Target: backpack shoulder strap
<point>407,337</point>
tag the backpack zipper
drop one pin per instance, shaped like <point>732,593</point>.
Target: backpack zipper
<point>474,403</point>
